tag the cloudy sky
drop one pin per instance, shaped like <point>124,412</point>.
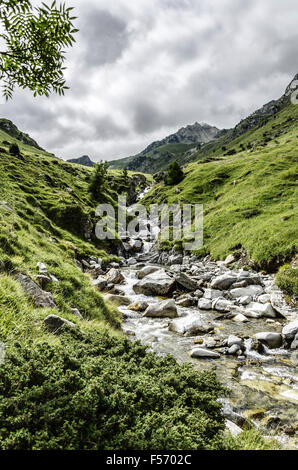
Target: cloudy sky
<point>143,68</point>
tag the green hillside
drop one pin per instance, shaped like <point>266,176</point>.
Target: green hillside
<point>250,196</point>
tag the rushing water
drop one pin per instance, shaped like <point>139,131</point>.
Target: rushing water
<point>265,382</point>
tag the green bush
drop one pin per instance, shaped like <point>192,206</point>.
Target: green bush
<point>14,149</point>
<point>287,279</point>
<point>175,174</point>
<point>96,392</point>
<point>98,181</point>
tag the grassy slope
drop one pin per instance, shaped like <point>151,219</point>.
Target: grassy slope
<point>39,190</point>
<point>258,212</point>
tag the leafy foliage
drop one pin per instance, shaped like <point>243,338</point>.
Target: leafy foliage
<point>175,174</point>
<point>14,149</point>
<point>98,180</point>
<point>287,279</point>
<point>97,392</point>
<point>34,41</point>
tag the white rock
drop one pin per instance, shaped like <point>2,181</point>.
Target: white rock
<point>165,309</point>
<point>260,310</point>
<point>246,291</point>
<point>204,353</point>
<point>233,429</point>
<point>270,339</point>
<point>221,305</point>
<point>229,260</point>
<point>247,299</point>
<point>264,298</point>
<point>240,318</point>
<point>234,340</point>
<point>212,294</point>
<point>290,330</point>
<point>223,282</point>
<point>205,304</point>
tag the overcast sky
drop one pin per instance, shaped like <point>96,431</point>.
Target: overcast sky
<point>141,69</point>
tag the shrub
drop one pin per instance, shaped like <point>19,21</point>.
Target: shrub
<point>98,180</point>
<point>96,392</point>
<point>287,279</point>
<point>14,149</point>
<point>175,174</point>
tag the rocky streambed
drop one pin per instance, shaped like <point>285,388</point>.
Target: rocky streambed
<point>210,314</point>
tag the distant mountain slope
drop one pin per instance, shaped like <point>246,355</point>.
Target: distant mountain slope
<point>159,154</point>
<point>249,192</point>
<point>11,129</point>
<point>84,160</point>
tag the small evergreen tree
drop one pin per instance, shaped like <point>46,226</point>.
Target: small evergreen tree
<point>125,175</point>
<point>14,149</point>
<point>98,180</point>
<point>175,174</point>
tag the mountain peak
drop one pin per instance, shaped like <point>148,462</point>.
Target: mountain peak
<point>84,160</point>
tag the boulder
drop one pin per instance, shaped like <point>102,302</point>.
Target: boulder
<point>138,306</point>
<point>223,282</point>
<point>190,326</point>
<point>185,281</point>
<point>264,298</point>
<point>54,323</point>
<point>290,331</point>
<point>233,429</point>
<point>251,291</point>
<point>118,300</point>
<point>204,353</point>
<point>146,271</point>
<point>221,305</point>
<point>240,318</point>
<point>229,260</point>
<point>232,340</point>
<point>114,276</point>
<point>131,262</point>
<point>186,301</point>
<point>198,294</point>
<point>270,339</point>
<point>42,268</point>
<point>165,309</point>
<point>136,245</point>
<point>262,310</point>
<point>158,283</point>
<point>100,283</point>
<point>41,298</point>
<point>175,259</point>
<point>212,294</point>
<point>205,304</point>
<point>43,280</point>
<point>234,350</point>
<point>294,344</point>
<point>247,299</point>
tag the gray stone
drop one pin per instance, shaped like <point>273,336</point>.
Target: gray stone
<point>233,429</point>
<point>190,326</point>
<point>41,298</point>
<point>223,282</point>
<point>198,294</point>
<point>42,268</point>
<point>146,271</point>
<point>221,305</point>
<point>234,350</point>
<point>185,281</point>
<point>175,259</point>
<point>186,301</point>
<point>131,262</point>
<point>77,313</point>
<point>100,283</point>
<point>264,298</point>
<point>247,299</point>
<point>43,280</point>
<point>262,310</point>
<point>232,340</point>
<point>240,318</point>
<point>246,291</point>
<point>270,339</point>
<point>158,283</point>
<point>114,276</point>
<point>212,294</point>
<point>53,323</point>
<point>289,331</point>
<point>229,260</point>
<point>204,354</point>
<point>165,309</point>
<point>205,304</point>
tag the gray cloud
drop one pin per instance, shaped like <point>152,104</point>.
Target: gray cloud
<point>142,69</point>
